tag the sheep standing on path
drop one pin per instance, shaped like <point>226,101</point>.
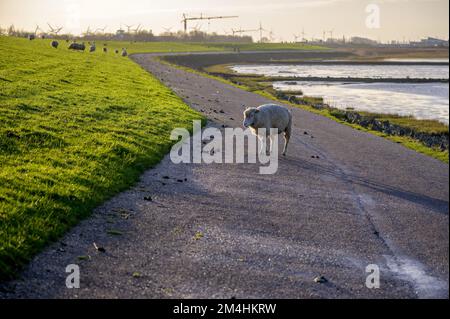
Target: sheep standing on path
<point>54,44</point>
<point>270,116</point>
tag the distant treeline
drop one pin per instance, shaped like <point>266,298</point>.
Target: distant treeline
<point>141,35</point>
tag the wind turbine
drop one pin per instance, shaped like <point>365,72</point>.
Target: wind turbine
<point>197,27</point>
<point>54,31</point>
<point>271,35</point>
<point>100,29</point>
<point>303,35</point>
<point>87,32</point>
<point>128,28</point>
<point>137,29</point>
<point>331,34</point>
<point>37,29</point>
<point>261,30</point>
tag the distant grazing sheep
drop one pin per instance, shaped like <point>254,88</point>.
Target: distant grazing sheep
<point>92,47</point>
<point>77,46</point>
<point>124,52</point>
<point>105,50</point>
<point>116,51</point>
<point>54,44</point>
<point>270,116</point>
<point>31,37</point>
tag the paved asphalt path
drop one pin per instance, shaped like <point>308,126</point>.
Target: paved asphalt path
<point>223,231</point>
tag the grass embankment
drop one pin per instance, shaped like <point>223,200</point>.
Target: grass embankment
<point>153,47</point>
<point>263,86</point>
<point>265,46</point>
<point>75,128</point>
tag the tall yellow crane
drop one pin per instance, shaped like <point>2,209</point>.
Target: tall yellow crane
<point>186,19</point>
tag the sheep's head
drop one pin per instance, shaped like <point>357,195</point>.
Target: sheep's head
<point>250,116</point>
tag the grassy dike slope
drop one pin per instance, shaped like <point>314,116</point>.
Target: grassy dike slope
<point>75,128</point>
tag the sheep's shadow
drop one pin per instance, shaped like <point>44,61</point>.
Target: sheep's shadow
<point>435,204</point>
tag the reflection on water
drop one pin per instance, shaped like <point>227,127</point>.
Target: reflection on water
<point>423,101</point>
<point>344,71</point>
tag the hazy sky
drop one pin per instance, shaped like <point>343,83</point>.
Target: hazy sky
<point>398,19</point>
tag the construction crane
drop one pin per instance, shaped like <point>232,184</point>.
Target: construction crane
<point>260,30</point>
<point>186,19</point>
<point>243,31</point>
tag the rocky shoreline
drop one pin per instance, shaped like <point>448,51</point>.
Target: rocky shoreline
<point>433,140</point>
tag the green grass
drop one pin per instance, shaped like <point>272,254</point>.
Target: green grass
<point>153,47</point>
<point>425,126</point>
<point>75,129</point>
<point>265,46</point>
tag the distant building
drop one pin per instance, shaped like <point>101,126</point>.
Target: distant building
<point>120,34</point>
<point>430,42</point>
<point>362,41</point>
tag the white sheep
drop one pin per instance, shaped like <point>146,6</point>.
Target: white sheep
<point>124,52</point>
<point>269,116</point>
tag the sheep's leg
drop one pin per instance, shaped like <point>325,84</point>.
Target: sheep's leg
<point>268,143</point>
<point>263,146</point>
<point>287,137</point>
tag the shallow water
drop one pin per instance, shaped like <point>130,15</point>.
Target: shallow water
<point>438,60</point>
<point>344,71</point>
<point>423,101</point>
